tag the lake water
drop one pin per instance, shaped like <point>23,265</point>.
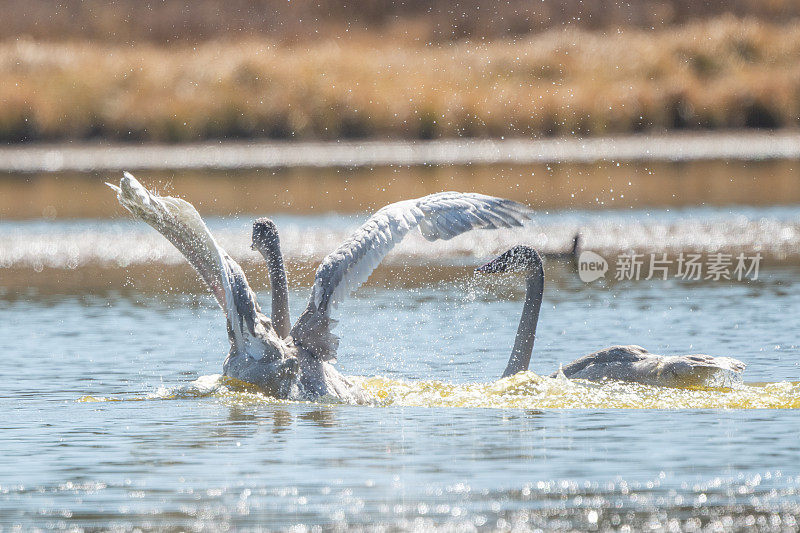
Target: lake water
<point>113,414</point>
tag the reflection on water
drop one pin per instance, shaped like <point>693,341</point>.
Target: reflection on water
<point>609,184</point>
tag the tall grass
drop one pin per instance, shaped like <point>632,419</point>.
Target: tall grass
<point>721,73</point>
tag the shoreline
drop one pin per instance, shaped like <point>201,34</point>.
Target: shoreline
<point>735,145</point>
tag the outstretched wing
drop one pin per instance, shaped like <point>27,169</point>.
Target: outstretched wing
<point>180,223</point>
<point>438,216</point>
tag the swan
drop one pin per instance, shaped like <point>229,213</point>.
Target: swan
<point>622,363</point>
<point>297,363</point>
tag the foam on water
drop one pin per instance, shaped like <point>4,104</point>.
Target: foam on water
<point>525,390</point>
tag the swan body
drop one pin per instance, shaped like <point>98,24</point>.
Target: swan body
<point>634,363</point>
<point>622,363</point>
<point>298,362</point>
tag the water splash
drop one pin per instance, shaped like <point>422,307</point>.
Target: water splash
<point>525,390</point>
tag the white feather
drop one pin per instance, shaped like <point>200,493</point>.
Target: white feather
<point>438,216</point>
<point>181,224</point>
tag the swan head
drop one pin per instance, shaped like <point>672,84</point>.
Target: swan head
<point>265,234</point>
<point>518,259</point>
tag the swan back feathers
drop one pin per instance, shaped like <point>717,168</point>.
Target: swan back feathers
<point>634,363</point>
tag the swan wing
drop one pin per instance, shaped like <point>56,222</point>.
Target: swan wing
<point>180,223</point>
<point>440,216</point>
<point>614,355</point>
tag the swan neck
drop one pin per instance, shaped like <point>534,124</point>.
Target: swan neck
<point>526,331</point>
<point>279,286</point>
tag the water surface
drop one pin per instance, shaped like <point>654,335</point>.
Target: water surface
<point>113,414</point>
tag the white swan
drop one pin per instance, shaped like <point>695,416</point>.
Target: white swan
<point>623,363</point>
<point>298,363</point>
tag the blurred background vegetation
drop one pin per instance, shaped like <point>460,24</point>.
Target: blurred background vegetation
<point>130,70</point>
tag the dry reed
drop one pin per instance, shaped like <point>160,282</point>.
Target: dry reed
<point>721,73</point>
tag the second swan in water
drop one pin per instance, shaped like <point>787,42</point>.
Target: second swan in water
<point>623,363</point>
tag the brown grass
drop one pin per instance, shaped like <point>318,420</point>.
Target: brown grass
<point>722,73</point>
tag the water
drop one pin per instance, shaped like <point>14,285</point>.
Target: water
<point>113,415</point>
<point>772,231</point>
<point>565,184</point>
